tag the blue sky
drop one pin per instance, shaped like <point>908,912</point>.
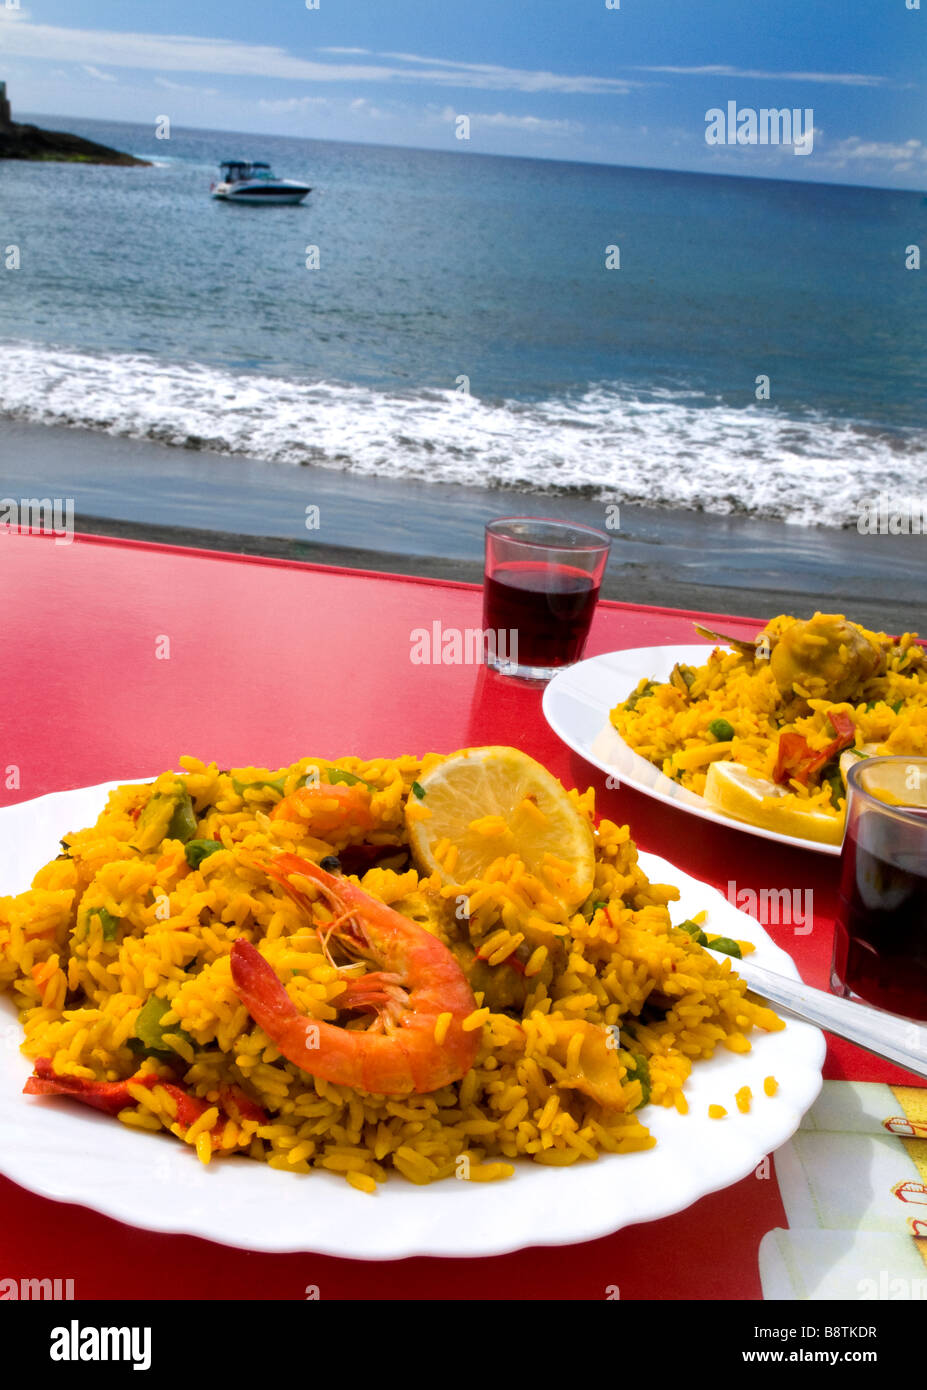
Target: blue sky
<point>561,79</point>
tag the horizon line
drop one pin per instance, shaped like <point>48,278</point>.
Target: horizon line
<point>490,154</point>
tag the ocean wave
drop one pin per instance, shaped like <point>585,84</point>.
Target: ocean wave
<point>609,442</point>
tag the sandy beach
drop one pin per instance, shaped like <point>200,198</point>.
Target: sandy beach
<point>680,559</point>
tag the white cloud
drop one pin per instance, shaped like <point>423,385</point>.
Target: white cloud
<point>491,75</point>
<point>292,103</point>
<point>360,106</point>
<point>364,107</point>
<point>533,125</point>
<point>910,152</point>
<point>185,53</point>
<point>96,74</point>
<point>170,86</point>
<point>843,79</point>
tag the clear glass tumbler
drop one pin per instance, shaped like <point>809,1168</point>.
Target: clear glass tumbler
<point>539,594</point>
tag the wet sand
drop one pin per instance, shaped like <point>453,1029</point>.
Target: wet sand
<point>732,564</point>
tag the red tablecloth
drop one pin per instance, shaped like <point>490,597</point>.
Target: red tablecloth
<point>269,661</point>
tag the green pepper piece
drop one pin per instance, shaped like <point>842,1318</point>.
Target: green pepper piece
<point>631,701</point>
<point>350,779</point>
<point>419,790</point>
<point>198,850</point>
<point>165,816</point>
<point>832,777</point>
<point>108,922</point>
<point>149,1035</point>
<point>641,1072</point>
<point>695,931</point>
<point>726,946</point>
<point>277,783</point>
<point>182,824</point>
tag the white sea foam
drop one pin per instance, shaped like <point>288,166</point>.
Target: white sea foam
<point>611,442</point>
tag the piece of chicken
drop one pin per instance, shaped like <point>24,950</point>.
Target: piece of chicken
<point>827,656</point>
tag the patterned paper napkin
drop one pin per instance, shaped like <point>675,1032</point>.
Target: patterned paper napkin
<point>854,1186</point>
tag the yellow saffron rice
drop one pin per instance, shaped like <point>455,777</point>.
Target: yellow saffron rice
<point>670,723</point>
<point>112,928</point>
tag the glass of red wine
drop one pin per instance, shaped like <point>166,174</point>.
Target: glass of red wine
<point>540,591</point>
<point>880,939</point>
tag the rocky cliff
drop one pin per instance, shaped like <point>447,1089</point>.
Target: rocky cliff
<point>31,142</point>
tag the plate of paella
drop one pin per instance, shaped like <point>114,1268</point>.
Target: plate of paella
<point>757,734</point>
<point>376,1008</point>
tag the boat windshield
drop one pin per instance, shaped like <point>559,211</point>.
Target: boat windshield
<point>237,171</point>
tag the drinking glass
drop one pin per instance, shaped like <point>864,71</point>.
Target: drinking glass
<point>880,939</point>
<point>539,594</point>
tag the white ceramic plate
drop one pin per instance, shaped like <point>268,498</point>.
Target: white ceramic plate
<point>73,1154</point>
<point>577,704</point>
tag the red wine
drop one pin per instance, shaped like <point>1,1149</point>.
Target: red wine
<point>549,606</point>
<point>880,946</point>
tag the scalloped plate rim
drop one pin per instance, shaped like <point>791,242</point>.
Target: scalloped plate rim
<point>383,1227</point>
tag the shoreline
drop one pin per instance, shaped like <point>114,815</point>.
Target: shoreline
<point>664,557</point>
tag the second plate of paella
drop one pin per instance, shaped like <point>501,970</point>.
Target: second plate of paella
<point>759,733</point>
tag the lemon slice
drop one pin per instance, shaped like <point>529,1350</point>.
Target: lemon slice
<point>493,802</point>
<point>855,755</point>
<point>738,792</point>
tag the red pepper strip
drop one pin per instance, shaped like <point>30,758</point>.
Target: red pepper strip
<point>109,1096</point>
<point>797,760</point>
<point>794,753</point>
<point>842,724</point>
<point>845,730</point>
<point>113,1096</point>
<point>233,1098</point>
<point>232,1103</point>
<point>189,1108</point>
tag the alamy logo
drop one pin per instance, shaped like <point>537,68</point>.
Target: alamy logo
<point>76,1343</point>
<point>886,516</point>
<point>36,1290</point>
<point>769,125</point>
<point>454,646</point>
<point>790,907</point>
<point>44,515</point>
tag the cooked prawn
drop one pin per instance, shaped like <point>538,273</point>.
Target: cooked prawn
<point>421,982</point>
<point>326,807</point>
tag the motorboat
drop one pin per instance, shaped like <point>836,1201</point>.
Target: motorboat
<point>256,182</point>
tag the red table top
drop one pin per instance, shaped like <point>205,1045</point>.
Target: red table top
<point>270,661</point>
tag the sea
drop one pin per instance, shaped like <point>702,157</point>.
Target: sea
<point>721,344</point>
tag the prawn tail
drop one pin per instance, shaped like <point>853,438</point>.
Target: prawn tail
<point>261,991</point>
<point>362,1060</point>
